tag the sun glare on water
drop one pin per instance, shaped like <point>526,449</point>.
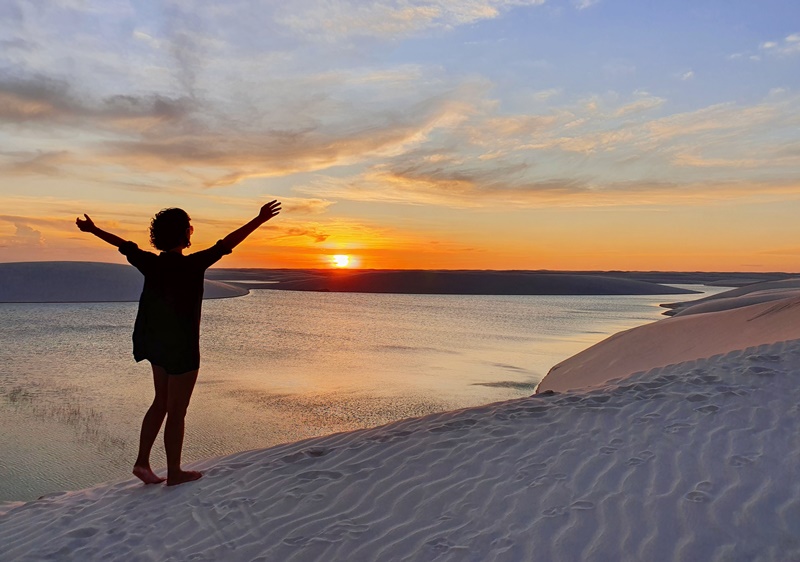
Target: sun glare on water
<point>340,260</point>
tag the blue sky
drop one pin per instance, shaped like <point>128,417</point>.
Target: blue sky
<point>475,133</point>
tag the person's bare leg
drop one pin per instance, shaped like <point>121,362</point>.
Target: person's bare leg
<point>151,425</point>
<point>179,392</point>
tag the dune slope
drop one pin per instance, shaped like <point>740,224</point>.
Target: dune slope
<point>696,461</point>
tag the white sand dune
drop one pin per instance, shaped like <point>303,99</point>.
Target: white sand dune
<point>728,303</point>
<point>684,337</point>
<point>738,297</point>
<point>83,282</point>
<point>696,461</point>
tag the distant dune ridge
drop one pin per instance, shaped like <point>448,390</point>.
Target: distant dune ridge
<point>752,293</point>
<point>316,279</point>
<point>105,282</point>
<point>757,314</point>
<point>458,282</point>
<point>83,282</point>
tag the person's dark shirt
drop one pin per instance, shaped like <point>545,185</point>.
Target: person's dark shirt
<point>167,328</point>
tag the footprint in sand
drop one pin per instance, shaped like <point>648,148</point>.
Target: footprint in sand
<point>294,457</point>
<point>82,533</point>
<point>647,418</point>
<point>536,411</point>
<point>582,505</point>
<point>677,427</point>
<point>341,530</point>
<point>560,510</point>
<point>556,511</point>
<point>308,453</point>
<point>320,475</point>
<point>440,545</point>
<point>698,497</point>
<point>524,473</point>
<point>502,544</point>
<point>743,460</point>
<point>297,541</point>
<point>333,534</point>
<point>295,492</point>
<point>393,436</point>
<point>641,458</point>
<point>761,371</point>
<point>545,478</point>
<point>734,392</point>
<point>228,468</point>
<point>708,409</point>
<point>454,425</point>
<point>702,380</point>
<point>236,503</point>
<point>612,447</point>
<point>317,452</point>
<point>764,358</point>
<point>701,492</point>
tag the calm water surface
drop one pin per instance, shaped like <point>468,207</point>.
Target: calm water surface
<point>277,366</point>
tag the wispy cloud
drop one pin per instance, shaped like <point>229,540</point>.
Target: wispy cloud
<point>266,152</point>
<point>583,4</point>
<point>640,105</point>
<point>26,236</point>
<point>331,20</point>
<point>156,133</point>
<point>788,46</point>
<point>463,190</point>
<point>448,145</point>
<point>615,156</point>
<point>314,233</point>
<point>38,163</point>
<point>53,103</point>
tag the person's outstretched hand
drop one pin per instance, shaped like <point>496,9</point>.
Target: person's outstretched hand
<point>268,211</point>
<point>85,225</point>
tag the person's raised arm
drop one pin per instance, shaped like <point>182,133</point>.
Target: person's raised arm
<point>267,212</point>
<point>88,226</point>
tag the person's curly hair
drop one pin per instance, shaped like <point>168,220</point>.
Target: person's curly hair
<point>168,229</point>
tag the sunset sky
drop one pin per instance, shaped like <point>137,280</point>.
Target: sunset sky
<point>453,134</point>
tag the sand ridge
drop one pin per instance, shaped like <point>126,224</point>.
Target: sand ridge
<point>746,295</point>
<point>695,461</point>
<point>677,339</point>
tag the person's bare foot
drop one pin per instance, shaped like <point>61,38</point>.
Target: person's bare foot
<point>173,479</point>
<point>146,475</point>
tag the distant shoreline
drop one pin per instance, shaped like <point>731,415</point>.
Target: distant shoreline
<point>71,282</point>
<point>481,282</point>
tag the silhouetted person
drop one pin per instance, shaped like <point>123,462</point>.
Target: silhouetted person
<point>167,328</point>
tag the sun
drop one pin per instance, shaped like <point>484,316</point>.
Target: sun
<point>340,260</point>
